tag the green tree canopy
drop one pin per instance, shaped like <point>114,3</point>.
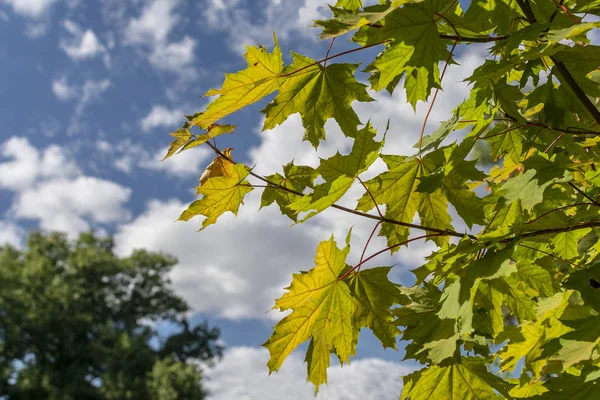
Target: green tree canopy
<point>521,286</point>
<point>78,322</point>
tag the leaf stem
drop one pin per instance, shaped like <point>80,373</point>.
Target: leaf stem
<point>387,249</point>
<point>437,90</point>
<point>327,54</point>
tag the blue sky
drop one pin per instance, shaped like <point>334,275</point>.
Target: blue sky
<point>90,92</point>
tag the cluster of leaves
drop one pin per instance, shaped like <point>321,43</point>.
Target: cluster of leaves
<point>74,325</point>
<point>520,294</point>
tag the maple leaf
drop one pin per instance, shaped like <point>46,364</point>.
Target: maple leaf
<point>455,381</point>
<point>245,87</point>
<point>220,194</point>
<point>375,295</point>
<point>317,93</point>
<point>340,172</point>
<point>323,310</point>
<point>415,50</point>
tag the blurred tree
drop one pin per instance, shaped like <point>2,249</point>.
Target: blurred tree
<point>76,322</point>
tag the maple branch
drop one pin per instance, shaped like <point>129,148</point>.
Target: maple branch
<point>553,143</point>
<point>386,249</point>
<point>440,232</point>
<point>594,202</point>
<point>456,38</point>
<point>577,90</point>
<point>343,53</point>
<point>590,224</point>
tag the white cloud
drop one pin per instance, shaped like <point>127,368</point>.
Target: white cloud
<point>242,375</point>
<point>287,18</point>
<point>154,24</point>
<point>10,234</point>
<point>62,90</point>
<point>49,187</point>
<point>90,92</point>
<point>70,205</point>
<point>186,164</point>
<point>30,8</point>
<point>161,116</point>
<point>82,44</point>
<point>85,93</point>
<point>26,164</point>
<point>151,30</point>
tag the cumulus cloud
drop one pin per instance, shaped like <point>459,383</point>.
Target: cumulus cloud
<point>82,44</point>
<point>151,30</point>
<point>70,205</point>
<point>189,163</point>
<point>50,188</point>
<point>21,164</point>
<point>10,233</point>
<point>161,116</point>
<point>30,8</point>
<point>242,375</point>
<point>284,17</point>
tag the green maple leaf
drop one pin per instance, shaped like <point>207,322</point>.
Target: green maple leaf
<point>587,283</point>
<point>565,243</point>
<point>430,337</point>
<point>297,178</point>
<point>503,141</point>
<point>317,93</point>
<point>526,187</point>
<point>245,87</point>
<point>415,50</point>
<point>456,381</point>
<point>528,389</point>
<point>375,294</point>
<point>339,173</point>
<point>220,194</point>
<point>397,189</point>
<point>323,310</point>
<point>578,345</point>
<point>536,277</point>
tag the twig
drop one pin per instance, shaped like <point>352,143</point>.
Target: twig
<point>327,54</point>
<point>596,203</point>
<point>372,197</point>
<point>384,250</point>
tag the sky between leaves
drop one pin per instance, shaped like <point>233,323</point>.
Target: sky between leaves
<point>91,90</point>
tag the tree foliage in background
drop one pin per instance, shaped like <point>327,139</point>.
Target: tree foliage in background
<point>76,323</point>
<point>522,286</point>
